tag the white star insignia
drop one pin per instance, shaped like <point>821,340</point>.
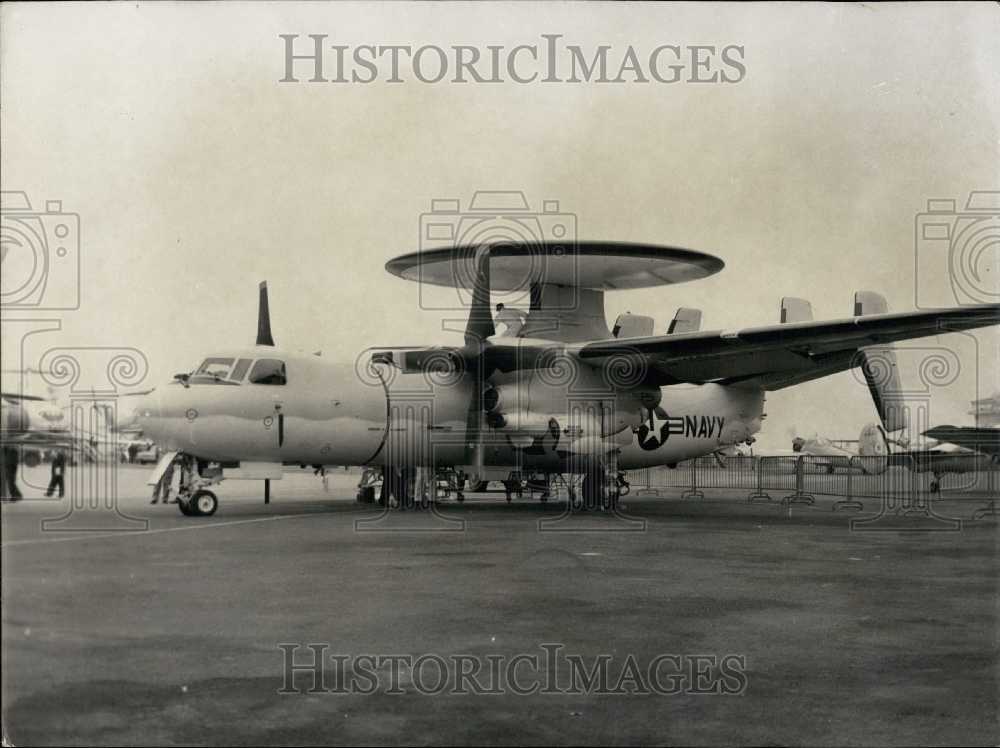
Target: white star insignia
<point>656,425</point>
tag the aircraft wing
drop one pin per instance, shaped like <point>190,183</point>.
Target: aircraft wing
<point>14,396</point>
<point>936,461</point>
<point>777,356</point>
<point>985,440</point>
<point>42,440</point>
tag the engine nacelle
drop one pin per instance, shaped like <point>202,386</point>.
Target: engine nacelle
<point>523,422</point>
<point>507,408</point>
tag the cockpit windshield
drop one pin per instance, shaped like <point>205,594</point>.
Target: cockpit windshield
<point>215,367</point>
<point>217,370</point>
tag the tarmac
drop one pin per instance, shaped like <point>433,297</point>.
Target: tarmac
<point>132,624</point>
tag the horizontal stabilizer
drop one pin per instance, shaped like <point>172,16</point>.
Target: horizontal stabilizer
<point>687,319</point>
<point>630,325</point>
<point>795,310</point>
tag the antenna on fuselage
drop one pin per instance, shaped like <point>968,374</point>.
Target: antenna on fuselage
<point>264,318</point>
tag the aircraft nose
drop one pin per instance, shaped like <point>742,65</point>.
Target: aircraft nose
<point>146,412</point>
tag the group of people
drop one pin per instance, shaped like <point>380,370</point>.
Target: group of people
<point>8,475</point>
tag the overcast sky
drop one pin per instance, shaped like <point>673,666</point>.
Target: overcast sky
<point>196,173</point>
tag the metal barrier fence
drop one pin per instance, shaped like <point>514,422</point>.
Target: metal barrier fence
<point>903,487</point>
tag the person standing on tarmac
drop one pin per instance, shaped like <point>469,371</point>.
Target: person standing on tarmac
<point>57,481</point>
<point>9,460</point>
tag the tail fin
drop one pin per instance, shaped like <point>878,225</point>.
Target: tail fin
<point>795,310</point>
<point>263,318</point>
<point>878,362</point>
<point>873,449</point>
<point>630,325</point>
<point>685,320</point>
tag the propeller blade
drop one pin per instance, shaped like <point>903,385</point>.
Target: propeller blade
<point>478,328</point>
<point>480,325</point>
<point>264,318</point>
<point>474,418</point>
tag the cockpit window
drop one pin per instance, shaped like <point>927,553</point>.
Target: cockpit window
<point>215,368</point>
<point>240,370</point>
<point>268,371</point>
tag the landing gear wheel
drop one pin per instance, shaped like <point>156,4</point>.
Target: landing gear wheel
<point>203,504</point>
<point>479,486</point>
<point>185,508</point>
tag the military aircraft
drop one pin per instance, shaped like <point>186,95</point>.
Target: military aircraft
<point>564,397</point>
<point>33,425</point>
<point>871,455</point>
<point>954,449</point>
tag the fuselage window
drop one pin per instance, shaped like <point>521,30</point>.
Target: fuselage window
<point>240,370</point>
<point>268,371</point>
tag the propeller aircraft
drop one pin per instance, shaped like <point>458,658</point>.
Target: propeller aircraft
<point>564,396</point>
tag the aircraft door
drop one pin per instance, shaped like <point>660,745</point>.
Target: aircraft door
<point>279,421</point>
<point>268,377</point>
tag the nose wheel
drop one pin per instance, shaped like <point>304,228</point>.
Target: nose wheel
<point>202,504</point>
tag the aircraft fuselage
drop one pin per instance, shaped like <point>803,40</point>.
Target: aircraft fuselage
<point>327,413</point>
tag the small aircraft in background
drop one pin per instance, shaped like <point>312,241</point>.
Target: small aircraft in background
<point>34,425</point>
<point>953,449</point>
<point>30,425</point>
<point>821,453</point>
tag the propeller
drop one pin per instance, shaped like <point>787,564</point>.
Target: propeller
<point>264,318</point>
<point>478,368</point>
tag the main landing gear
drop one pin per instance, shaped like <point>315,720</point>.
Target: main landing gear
<point>404,488</point>
<point>599,490</point>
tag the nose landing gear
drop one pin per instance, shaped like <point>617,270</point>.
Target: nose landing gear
<point>191,495</point>
<point>201,504</point>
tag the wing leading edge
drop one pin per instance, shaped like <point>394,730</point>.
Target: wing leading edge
<point>777,356</point>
